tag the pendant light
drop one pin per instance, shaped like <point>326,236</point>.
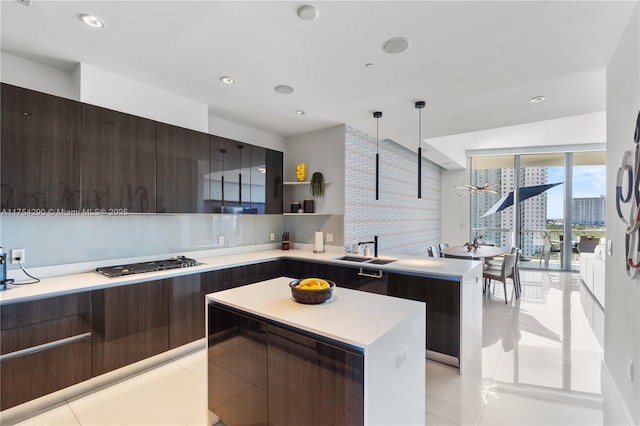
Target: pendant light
<point>240,148</point>
<point>419,106</point>
<point>377,116</point>
<point>222,151</point>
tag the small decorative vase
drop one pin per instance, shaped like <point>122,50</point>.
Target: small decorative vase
<point>300,172</point>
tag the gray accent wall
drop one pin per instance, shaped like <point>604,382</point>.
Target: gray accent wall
<point>404,224</point>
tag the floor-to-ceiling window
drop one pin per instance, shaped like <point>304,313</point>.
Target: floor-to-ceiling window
<point>561,201</point>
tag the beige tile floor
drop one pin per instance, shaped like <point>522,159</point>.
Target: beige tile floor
<point>540,366</point>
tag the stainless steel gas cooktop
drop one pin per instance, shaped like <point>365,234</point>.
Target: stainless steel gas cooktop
<point>140,268</point>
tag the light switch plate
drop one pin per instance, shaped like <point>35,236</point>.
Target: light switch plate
<point>329,238</point>
<point>221,240</point>
<point>609,247</point>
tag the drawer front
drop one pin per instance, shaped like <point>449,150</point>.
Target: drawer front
<point>35,374</point>
<point>28,324</point>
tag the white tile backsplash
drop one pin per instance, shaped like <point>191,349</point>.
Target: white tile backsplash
<point>403,223</point>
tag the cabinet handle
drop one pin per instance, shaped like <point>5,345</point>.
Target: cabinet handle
<point>364,274</point>
<point>44,346</point>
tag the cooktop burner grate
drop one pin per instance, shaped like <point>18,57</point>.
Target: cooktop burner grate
<point>142,267</point>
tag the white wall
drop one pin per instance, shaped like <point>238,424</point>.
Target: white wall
<point>622,316</point>
<point>42,78</point>
<point>321,151</point>
<point>456,210</point>
<point>113,91</point>
<point>229,129</point>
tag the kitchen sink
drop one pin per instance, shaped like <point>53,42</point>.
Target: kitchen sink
<point>369,260</point>
<point>378,261</point>
<point>355,258</point>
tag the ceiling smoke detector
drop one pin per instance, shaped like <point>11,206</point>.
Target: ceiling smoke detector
<point>307,13</point>
<point>537,99</point>
<point>395,45</point>
<point>283,89</point>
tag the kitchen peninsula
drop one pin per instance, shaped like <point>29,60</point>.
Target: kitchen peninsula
<point>356,359</point>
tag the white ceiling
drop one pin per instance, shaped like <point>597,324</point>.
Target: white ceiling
<point>475,63</point>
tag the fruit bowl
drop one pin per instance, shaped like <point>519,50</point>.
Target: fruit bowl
<point>311,291</point>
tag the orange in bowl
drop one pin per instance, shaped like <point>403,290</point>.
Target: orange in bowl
<point>311,291</point>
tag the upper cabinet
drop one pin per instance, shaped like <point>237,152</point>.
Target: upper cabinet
<point>230,176</point>
<point>118,161</point>
<point>273,183</point>
<point>58,154</point>
<point>183,168</point>
<point>40,150</point>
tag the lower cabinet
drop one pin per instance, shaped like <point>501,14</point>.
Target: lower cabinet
<point>365,279</point>
<point>266,373</point>
<point>186,310</point>
<point>45,347</point>
<point>443,308</point>
<point>130,323</point>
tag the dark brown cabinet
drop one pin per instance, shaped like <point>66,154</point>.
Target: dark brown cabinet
<point>40,150</point>
<point>118,161</point>
<point>227,177</point>
<point>183,166</point>
<point>367,279</point>
<point>45,347</point>
<point>273,190</point>
<point>262,372</point>
<point>130,323</point>
<point>186,310</point>
<point>442,297</point>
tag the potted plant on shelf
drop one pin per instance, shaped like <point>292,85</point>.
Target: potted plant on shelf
<point>317,184</point>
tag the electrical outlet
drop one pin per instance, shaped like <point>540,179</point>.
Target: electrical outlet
<point>221,240</point>
<point>17,255</point>
<point>272,236</point>
<point>609,247</point>
<point>329,238</point>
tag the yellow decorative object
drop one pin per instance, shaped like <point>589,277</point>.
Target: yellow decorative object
<point>300,172</point>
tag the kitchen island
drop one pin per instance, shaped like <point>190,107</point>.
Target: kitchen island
<point>355,359</point>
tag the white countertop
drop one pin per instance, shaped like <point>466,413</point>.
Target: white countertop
<point>350,316</point>
<point>65,284</point>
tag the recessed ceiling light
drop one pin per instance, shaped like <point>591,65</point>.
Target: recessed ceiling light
<point>300,112</point>
<point>283,89</point>
<point>307,13</point>
<point>227,80</point>
<point>537,99</point>
<point>395,45</point>
<point>92,21</point>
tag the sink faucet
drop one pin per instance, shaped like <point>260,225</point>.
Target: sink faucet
<point>375,245</point>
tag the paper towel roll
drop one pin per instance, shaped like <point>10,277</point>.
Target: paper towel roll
<point>319,242</point>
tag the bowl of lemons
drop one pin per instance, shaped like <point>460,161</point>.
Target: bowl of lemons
<point>311,291</point>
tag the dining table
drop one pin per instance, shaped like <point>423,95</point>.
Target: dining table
<point>481,253</point>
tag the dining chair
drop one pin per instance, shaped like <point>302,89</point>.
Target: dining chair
<point>547,249</point>
<point>505,272</point>
<point>442,246</point>
<point>587,244</point>
<point>433,251</point>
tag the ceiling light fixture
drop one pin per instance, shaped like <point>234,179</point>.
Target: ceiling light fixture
<point>395,45</point>
<point>300,112</point>
<point>283,89</point>
<point>377,116</point>
<point>420,106</point>
<point>92,21</point>
<point>307,13</point>
<point>227,80</point>
<point>368,65</point>
<point>537,99</point>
